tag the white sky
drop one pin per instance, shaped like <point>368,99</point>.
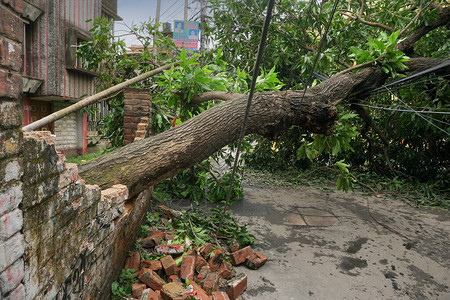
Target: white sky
<point>137,11</point>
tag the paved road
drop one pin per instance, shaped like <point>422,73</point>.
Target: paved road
<point>323,244</point>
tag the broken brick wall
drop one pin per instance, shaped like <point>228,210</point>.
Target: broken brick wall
<point>76,235</point>
<point>59,238</point>
<point>11,187</point>
<point>137,105</point>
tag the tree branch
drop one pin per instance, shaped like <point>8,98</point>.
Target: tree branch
<point>415,18</point>
<point>407,45</point>
<point>213,95</point>
<point>348,13</point>
<point>363,65</point>
<point>163,112</point>
<point>212,175</point>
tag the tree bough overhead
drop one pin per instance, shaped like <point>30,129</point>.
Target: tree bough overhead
<point>150,161</point>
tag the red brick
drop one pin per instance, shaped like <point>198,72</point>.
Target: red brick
<point>129,100</point>
<point>145,96</point>
<point>174,278</point>
<point>218,295</point>
<point>206,249</point>
<point>166,210</point>
<point>10,55</point>
<point>174,291</point>
<point>157,235</point>
<point>133,261</point>
<point>169,265</point>
<point>140,134</point>
<point>192,252</point>
<point>137,289</point>
<point>226,270</point>
<point>17,5</point>
<point>151,279</point>
<point>237,286</point>
<point>133,113</point>
<point>11,25</point>
<point>148,242</point>
<point>256,261</point>
<point>173,249</point>
<point>215,261</point>
<point>11,84</point>
<point>240,256</point>
<point>210,283</point>
<point>235,246</point>
<point>154,265</point>
<point>187,268</point>
<point>198,292</point>
<point>202,274</point>
<point>150,294</point>
<point>200,263</point>
<point>142,126</point>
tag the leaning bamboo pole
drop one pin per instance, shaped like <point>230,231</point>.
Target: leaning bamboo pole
<point>94,98</point>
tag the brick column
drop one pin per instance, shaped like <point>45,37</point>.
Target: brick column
<point>11,220</point>
<point>137,104</point>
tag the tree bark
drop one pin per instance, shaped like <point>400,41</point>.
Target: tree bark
<point>150,161</point>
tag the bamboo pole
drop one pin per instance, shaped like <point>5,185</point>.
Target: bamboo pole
<point>94,98</point>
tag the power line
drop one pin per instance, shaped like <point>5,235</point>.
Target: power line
<point>410,77</point>
<point>403,110</point>
<point>170,7</point>
<point>417,113</point>
<point>322,38</point>
<point>174,12</point>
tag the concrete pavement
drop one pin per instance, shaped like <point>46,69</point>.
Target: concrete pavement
<point>324,244</point>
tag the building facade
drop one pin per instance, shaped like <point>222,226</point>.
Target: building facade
<point>53,76</point>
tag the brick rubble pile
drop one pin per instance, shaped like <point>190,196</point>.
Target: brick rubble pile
<point>205,273</point>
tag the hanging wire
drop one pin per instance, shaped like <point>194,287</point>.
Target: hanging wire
<point>417,113</point>
<point>410,77</point>
<point>322,38</point>
<point>169,8</point>
<point>262,44</point>
<point>403,110</point>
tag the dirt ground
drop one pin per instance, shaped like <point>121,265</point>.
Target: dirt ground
<point>324,244</point>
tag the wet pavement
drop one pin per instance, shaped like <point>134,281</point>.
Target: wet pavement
<point>325,244</point>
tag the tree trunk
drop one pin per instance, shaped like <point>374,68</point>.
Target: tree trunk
<point>150,161</point>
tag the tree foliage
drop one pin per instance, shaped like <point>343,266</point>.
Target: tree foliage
<point>413,146</point>
<point>388,135</point>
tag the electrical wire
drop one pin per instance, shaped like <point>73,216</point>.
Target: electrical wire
<point>412,76</point>
<point>169,8</point>
<point>177,10</point>
<point>417,113</point>
<point>256,69</point>
<point>322,38</point>
<point>403,110</point>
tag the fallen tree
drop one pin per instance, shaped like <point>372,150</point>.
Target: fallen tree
<point>152,160</point>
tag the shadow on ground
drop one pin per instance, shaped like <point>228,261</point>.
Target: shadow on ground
<point>326,245</point>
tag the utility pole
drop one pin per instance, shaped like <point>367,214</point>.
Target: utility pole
<point>186,6</point>
<point>157,20</point>
<point>202,22</point>
<point>158,11</point>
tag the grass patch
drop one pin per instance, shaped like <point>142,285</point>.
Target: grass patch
<point>79,159</point>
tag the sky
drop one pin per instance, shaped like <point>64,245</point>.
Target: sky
<point>137,11</point>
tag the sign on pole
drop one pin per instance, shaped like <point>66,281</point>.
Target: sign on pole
<point>185,34</point>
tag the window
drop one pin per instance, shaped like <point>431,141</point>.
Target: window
<point>73,38</point>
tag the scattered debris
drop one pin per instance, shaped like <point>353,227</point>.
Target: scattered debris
<point>170,265</point>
